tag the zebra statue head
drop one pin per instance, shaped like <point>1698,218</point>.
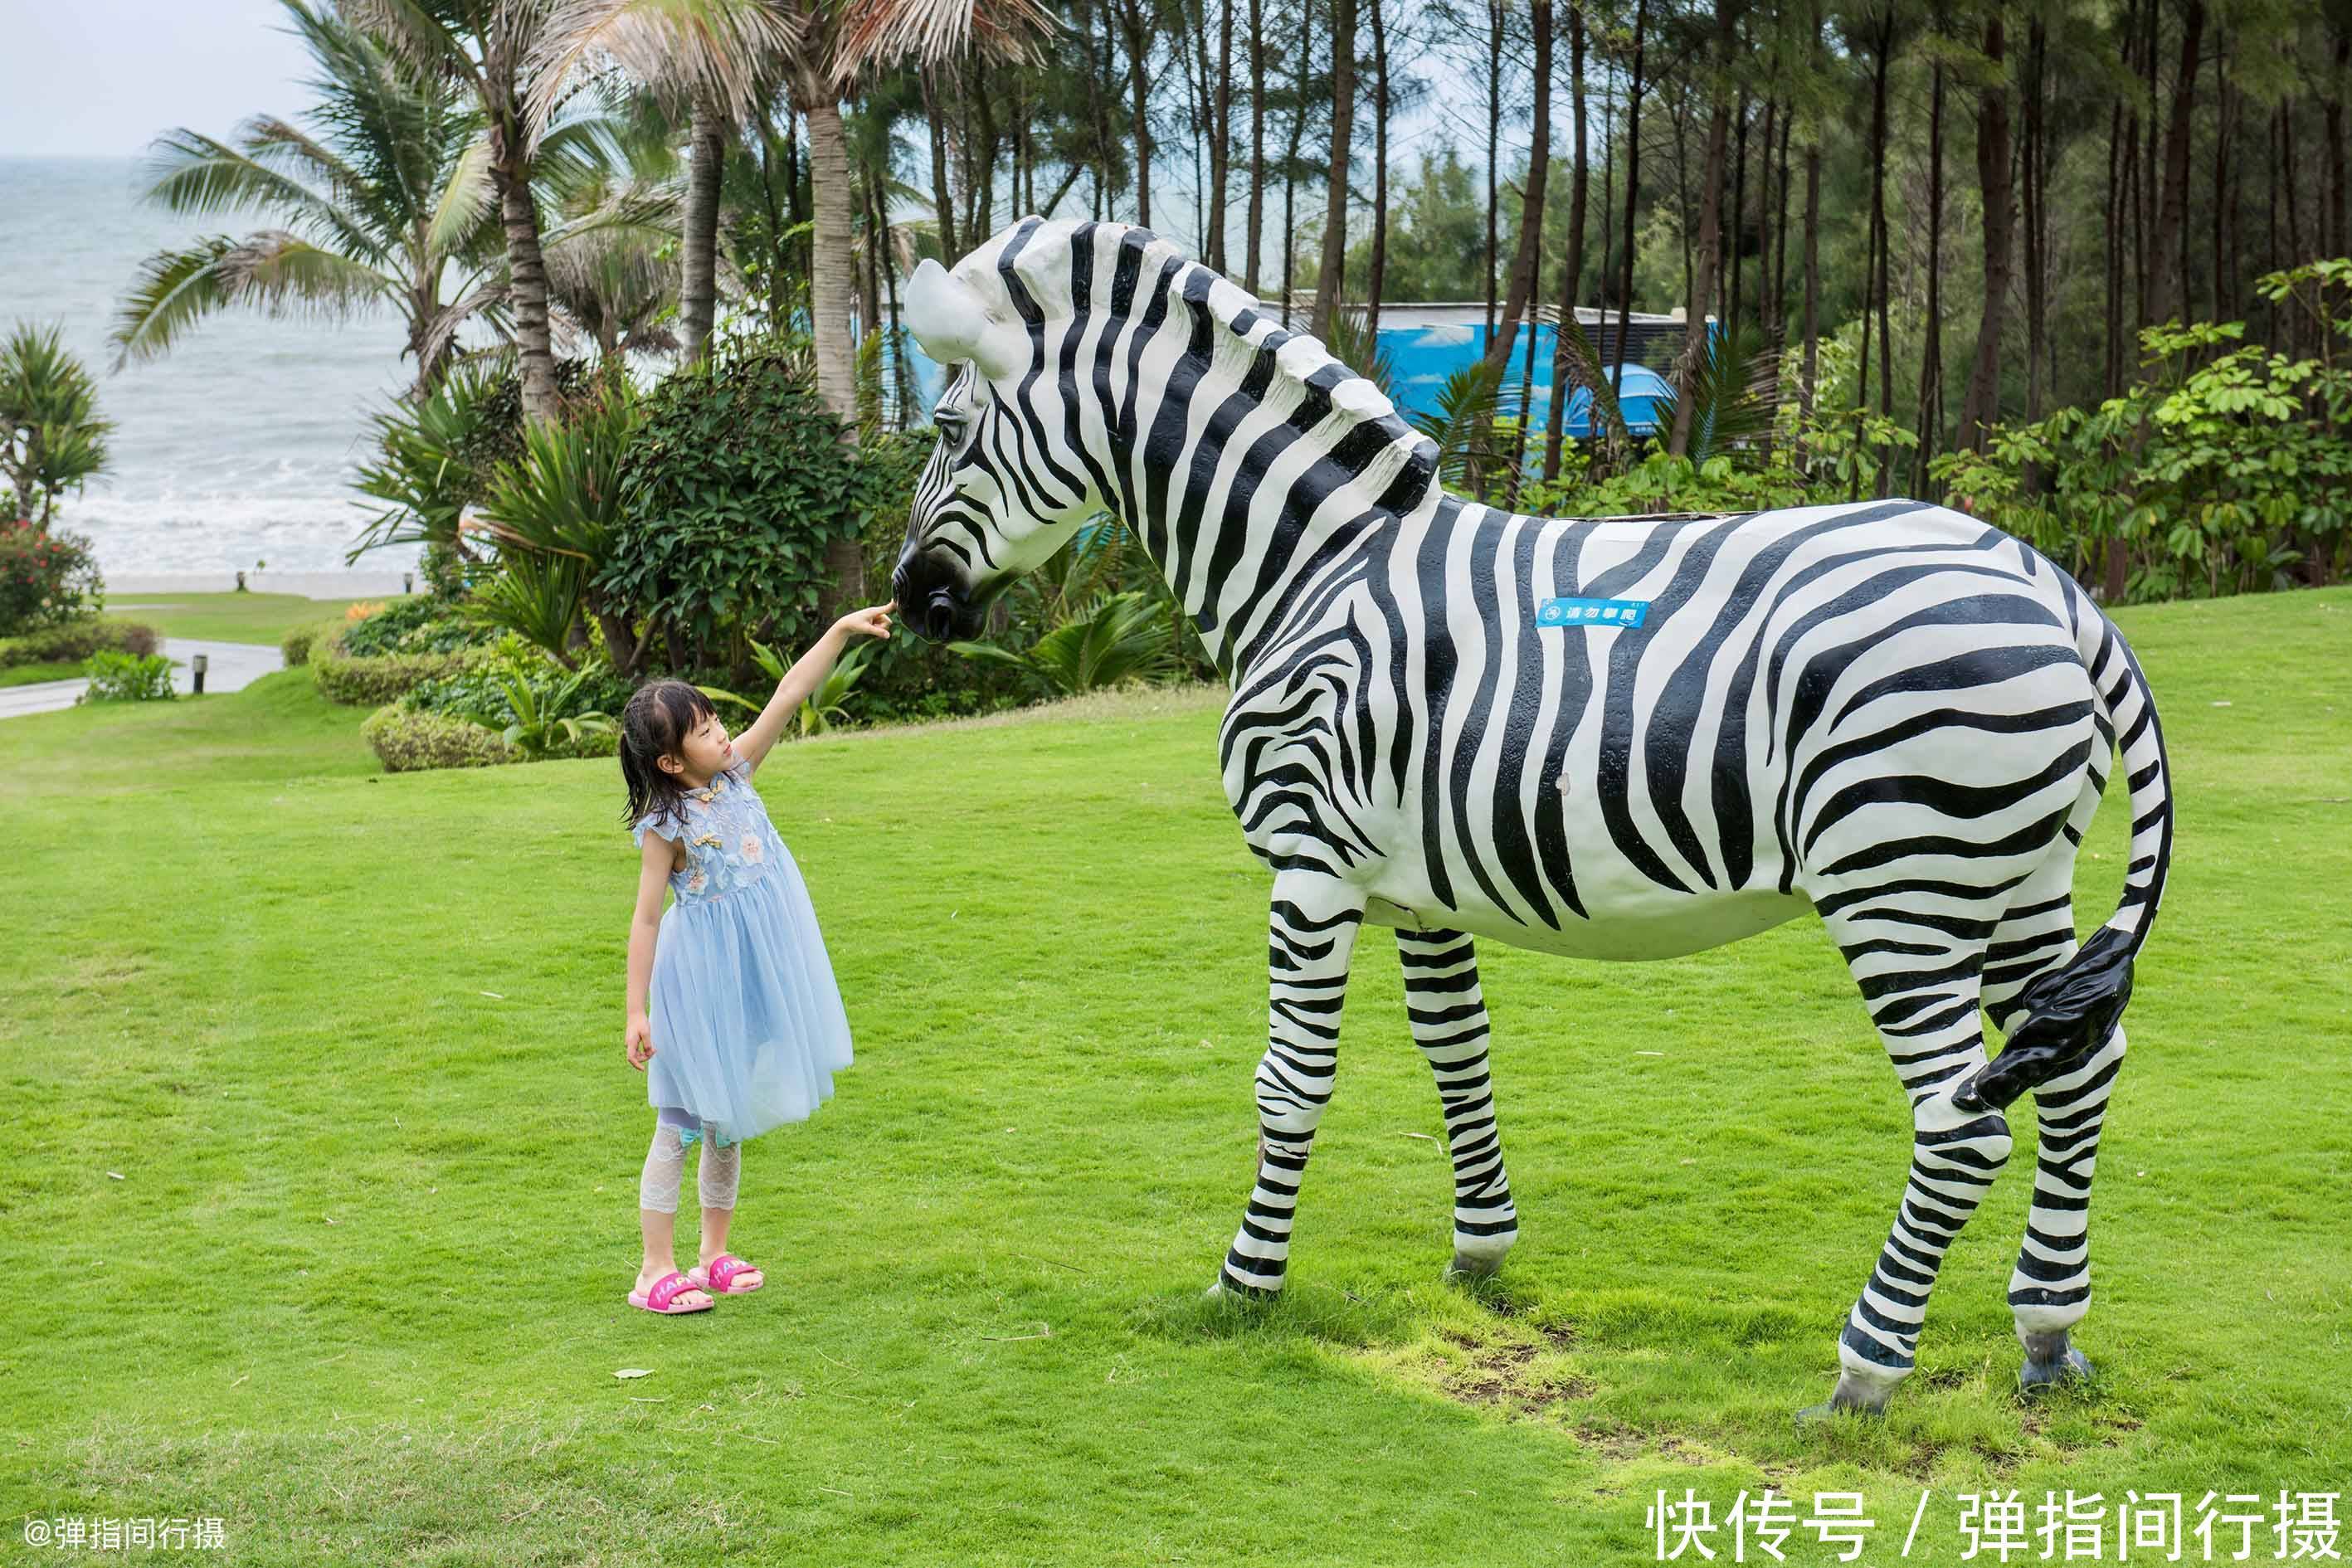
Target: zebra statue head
<point>1007,485</point>
<point>1079,355</point>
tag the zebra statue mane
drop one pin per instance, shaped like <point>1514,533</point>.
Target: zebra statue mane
<point>1600,738</point>
<point>1002,300</point>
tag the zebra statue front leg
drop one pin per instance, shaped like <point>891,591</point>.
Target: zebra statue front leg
<point>1448,1014</point>
<point>1310,935</point>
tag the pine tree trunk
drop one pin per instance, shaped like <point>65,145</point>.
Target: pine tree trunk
<point>1633,192</point>
<point>1571,269</point>
<point>1702,296</point>
<point>698,290</point>
<point>1221,128</point>
<point>2171,282</point>
<point>1376,276</point>
<point>1290,163</point>
<point>1517,303</point>
<point>1250,261</point>
<point>1886,250</point>
<point>1333,271</point>
<point>2037,226</point>
<point>1931,352</point>
<point>1493,147</point>
<point>1812,318</point>
<point>1139,48</point>
<point>2332,206</point>
<point>1982,405</point>
<point>1729,235</point>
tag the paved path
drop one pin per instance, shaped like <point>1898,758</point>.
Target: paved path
<point>230,665</point>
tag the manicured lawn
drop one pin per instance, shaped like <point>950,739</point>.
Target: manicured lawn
<point>30,674</point>
<point>352,1042</point>
<point>228,618</point>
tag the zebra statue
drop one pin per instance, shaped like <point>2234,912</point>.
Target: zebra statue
<point>1626,739</point>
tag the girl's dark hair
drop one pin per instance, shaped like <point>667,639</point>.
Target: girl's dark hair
<point>659,716</point>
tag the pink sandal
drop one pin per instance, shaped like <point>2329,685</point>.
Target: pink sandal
<point>719,1276</point>
<point>663,1297</point>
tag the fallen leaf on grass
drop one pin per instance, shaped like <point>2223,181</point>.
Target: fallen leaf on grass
<point>117,1175</point>
<point>635,1372</point>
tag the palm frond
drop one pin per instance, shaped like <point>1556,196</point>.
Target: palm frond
<point>1464,424</point>
<point>1355,347</point>
<point>1594,375</point>
<point>194,175</point>
<point>1732,396</point>
<point>677,48</point>
<point>176,288</point>
<point>466,201</point>
<point>928,32</point>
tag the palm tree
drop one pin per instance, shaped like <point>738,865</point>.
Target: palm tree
<point>718,52</point>
<point>484,47</point>
<point>51,438</point>
<point>371,205</point>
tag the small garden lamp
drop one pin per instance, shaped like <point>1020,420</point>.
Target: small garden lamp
<point>198,664</point>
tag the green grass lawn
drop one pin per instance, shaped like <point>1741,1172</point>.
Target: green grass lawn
<point>228,618</point>
<point>31,674</point>
<point>352,1045</point>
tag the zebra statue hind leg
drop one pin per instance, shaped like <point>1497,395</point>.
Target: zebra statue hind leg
<point>1310,935</point>
<point>2050,1290</point>
<point>1917,950</point>
<point>1448,1015</point>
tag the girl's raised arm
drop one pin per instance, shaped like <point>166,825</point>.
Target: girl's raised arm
<point>808,673</point>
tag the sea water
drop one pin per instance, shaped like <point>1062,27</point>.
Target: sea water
<point>238,445</point>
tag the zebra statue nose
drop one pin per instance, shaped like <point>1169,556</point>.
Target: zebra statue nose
<point>939,615</point>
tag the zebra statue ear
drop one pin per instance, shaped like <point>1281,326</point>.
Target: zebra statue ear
<point>951,323</point>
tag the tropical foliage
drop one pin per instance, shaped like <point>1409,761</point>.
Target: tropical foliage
<point>51,438</point>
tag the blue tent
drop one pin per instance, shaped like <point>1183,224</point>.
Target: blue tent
<point>1431,343</point>
<point>1643,397</point>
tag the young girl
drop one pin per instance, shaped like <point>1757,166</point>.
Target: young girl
<point>746,1028</point>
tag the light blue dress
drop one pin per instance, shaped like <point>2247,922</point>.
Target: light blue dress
<point>748,1025</point>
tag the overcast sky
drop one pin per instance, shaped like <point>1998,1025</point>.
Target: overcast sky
<point>103,77</point>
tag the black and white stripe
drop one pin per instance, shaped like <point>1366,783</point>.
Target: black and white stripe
<point>1887,711</point>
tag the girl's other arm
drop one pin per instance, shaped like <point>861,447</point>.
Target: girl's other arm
<point>808,673</point>
<point>644,927</point>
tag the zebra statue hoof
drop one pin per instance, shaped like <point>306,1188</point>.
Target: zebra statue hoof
<point>2050,1359</point>
<point>1853,1397</point>
<point>1235,1293</point>
<point>1474,1267</point>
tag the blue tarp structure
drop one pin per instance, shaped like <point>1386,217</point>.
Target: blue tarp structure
<point>1427,343</point>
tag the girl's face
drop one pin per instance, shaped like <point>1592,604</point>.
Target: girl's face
<point>705,750</point>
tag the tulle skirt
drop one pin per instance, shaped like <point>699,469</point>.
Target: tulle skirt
<point>748,1024</point>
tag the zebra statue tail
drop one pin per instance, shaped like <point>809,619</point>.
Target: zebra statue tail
<point>2071,1011</point>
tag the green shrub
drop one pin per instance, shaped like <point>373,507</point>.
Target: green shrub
<point>736,486</point>
<point>296,645</point>
<point>406,740</point>
<point>118,676</point>
<point>76,640</point>
<point>47,577</point>
<point>418,624</point>
<point>482,687</point>
<point>369,682</point>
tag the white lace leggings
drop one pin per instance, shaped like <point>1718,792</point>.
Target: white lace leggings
<point>715,1179</point>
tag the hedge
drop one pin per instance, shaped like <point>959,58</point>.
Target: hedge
<point>408,741</point>
<point>77,640</point>
<point>297,644</point>
<point>369,682</point>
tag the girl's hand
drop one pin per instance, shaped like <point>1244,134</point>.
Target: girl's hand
<point>874,622</point>
<point>640,1041</point>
